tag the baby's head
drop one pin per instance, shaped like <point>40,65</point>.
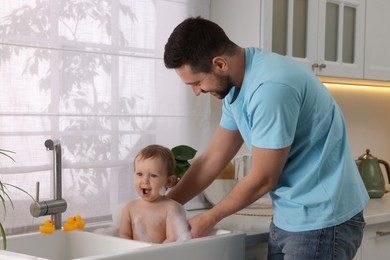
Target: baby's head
<point>154,171</point>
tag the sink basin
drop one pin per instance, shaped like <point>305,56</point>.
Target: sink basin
<point>62,245</point>
<point>82,245</point>
<point>220,244</point>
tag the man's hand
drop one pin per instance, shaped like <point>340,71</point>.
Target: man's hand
<point>201,225</point>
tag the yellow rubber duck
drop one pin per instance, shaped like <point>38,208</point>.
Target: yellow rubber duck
<point>70,225</point>
<point>47,227</point>
<point>80,223</point>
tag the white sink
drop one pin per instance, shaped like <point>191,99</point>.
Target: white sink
<point>83,245</point>
<point>62,245</point>
<point>221,245</point>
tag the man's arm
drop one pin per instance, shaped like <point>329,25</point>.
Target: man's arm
<point>267,165</point>
<point>223,147</point>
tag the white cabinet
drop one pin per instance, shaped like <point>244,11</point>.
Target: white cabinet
<point>377,51</point>
<point>257,252</point>
<point>376,241</point>
<point>325,35</point>
<point>336,38</point>
<point>358,255</point>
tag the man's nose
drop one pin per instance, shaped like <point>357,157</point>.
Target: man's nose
<point>197,90</point>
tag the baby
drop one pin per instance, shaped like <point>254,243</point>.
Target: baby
<point>153,217</point>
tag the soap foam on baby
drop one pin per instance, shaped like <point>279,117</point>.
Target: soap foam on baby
<point>183,233</point>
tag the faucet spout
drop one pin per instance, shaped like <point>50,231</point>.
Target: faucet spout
<point>58,205</point>
<point>52,144</point>
<point>55,146</point>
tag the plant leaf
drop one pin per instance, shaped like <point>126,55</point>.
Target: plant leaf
<point>4,206</point>
<point>5,197</point>
<point>182,163</point>
<point>183,152</point>
<point>4,237</point>
<point>3,194</point>
<point>181,170</point>
<point>20,189</point>
<point>4,152</point>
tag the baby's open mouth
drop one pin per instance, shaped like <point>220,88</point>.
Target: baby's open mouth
<point>145,191</point>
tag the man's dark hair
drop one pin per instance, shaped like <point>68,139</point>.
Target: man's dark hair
<point>195,42</point>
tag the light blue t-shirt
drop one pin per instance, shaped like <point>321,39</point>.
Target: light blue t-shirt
<point>281,103</point>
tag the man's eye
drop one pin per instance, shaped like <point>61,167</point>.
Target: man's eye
<point>154,175</point>
<point>139,174</point>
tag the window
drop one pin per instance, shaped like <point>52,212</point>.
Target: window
<point>91,74</point>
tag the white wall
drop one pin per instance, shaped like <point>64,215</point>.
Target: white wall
<point>367,114</point>
<point>239,19</point>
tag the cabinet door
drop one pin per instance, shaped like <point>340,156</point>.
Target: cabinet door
<point>358,255</point>
<point>341,38</point>
<point>376,241</point>
<point>325,35</point>
<point>377,51</point>
<point>289,27</point>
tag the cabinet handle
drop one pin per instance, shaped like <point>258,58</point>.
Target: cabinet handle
<point>314,66</point>
<point>382,233</point>
<point>322,66</point>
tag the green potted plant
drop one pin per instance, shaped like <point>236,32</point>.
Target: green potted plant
<point>4,196</point>
<point>183,153</point>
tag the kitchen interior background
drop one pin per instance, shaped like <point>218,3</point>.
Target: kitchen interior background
<point>365,104</point>
<point>89,73</point>
<point>365,107</point>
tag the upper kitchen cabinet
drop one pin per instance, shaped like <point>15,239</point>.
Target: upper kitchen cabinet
<point>239,19</point>
<point>325,35</point>
<point>377,51</point>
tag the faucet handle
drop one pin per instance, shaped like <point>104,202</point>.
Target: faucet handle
<point>37,191</point>
<point>46,207</point>
<point>37,208</point>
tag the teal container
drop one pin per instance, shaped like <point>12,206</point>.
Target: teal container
<point>372,175</point>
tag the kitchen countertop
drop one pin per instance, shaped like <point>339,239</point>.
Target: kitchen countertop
<point>378,210</point>
<point>256,227</point>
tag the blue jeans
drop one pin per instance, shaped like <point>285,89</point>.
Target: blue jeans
<point>339,242</point>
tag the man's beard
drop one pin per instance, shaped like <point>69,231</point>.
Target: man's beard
<point>225,84</point>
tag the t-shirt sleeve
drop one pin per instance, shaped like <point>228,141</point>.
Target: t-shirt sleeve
<point>273,112</point>
<point>227,119</point>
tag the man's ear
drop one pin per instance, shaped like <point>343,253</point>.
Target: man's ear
<point>219,64</point>
<point>171,181</point>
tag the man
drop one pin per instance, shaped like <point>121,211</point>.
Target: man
<point>297,137</point>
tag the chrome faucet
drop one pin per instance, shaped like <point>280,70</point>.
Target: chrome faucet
<point>58,205</point>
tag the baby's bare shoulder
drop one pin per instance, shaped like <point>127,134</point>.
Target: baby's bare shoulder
<point>132,204</point>
<point>174,206</point>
